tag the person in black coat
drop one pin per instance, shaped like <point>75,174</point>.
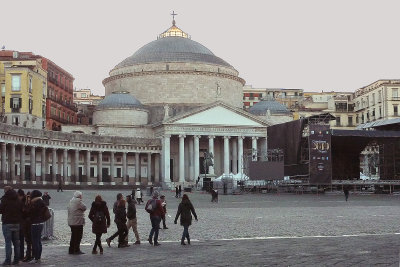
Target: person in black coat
<point>11,210</point>
<point>185,210</point>
<point>120,220</point>
<point>36,212</point>
<point>100,217</point>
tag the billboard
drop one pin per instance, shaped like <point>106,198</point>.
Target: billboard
<point>265,170</point>
<point>320,154</point>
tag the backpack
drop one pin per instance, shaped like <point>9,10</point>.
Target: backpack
<point>151,205</point>
<point>99,217</point>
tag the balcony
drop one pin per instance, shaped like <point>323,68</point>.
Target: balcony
<point>60,119</point>
<point>64,103</point>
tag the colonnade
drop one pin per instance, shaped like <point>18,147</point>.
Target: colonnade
<point>229,142</point>
<point>65,161</point>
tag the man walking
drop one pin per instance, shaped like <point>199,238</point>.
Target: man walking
<point>154,207</point>
<point>11,210</point>
<point>119,197</point>
<point>132,220</point>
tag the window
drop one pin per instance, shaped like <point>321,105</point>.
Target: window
<point>357,120</point>
<point>105,159</point>
<point>30,105</point>
<point>395,93</point>
<point>395,110</point>
<point>350,120</point>
<point>373,99</point>
<point>16,82</point>
<point>91,158</point>
<point>118,159</point>
<point>15,103</point>
<point>83,95</point>
<point>379,96</point>
<point>380,112</point>
<point>3,89</point>
<point>119,172</point>
<point>30,84</point>
<point>15,120</point>
<point>337,121</point>
<point>44,89</point>
<point>91,171</point>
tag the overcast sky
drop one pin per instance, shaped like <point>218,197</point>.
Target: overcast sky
<point>316,45</point>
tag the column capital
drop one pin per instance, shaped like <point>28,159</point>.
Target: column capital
<point>182,136</point>
<point>196,136</point>
<point>254,137</point>
<point>211,136</point>
<point>241,137</point>
<point>166,136</point>
<point>227,137</point>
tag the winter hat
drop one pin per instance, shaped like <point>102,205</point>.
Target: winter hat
<point>21,192</point>
<point>156,194</point>
<point>36,193</point>
<point>78,194</point>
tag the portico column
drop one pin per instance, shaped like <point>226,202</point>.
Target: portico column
<point>211,151</point>
<point>191,157</point>
<point>234,157</point>
<point>167,177</point>
<point>226,155</point>
<point>156,168</point>
<point>22,162</point>
<point>43,164</point>
<point>100,166</point>
<point>240,153</point>
<point>254,148</point>
<point>112,166</point>
<point>137,166</point>
<point>12,161</point>
<point>87,166</point>
<point>149,167</point>
<point>181,158</point>
<point>65,165</point>
<point>3,161</point>
<point>54,164</point>
<point>33,163</point>
<point>76,165</point>
<point>124,167</point>
<point>196,156</point>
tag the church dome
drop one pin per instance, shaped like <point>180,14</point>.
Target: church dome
<point>173,49</point>
<point>274,107</point>
<point>120,99</point>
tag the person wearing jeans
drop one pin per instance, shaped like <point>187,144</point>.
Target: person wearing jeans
<point>11,210</point>
<point>155,217</point>
<point>36,211</point>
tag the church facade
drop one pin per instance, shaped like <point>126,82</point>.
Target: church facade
<point>167,107</point>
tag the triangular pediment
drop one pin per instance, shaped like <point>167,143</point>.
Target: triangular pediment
<point>219,115</point>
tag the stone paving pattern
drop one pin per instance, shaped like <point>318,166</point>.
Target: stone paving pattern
<point>254,218</point>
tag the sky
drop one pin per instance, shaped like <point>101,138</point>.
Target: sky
<point>316,45</point>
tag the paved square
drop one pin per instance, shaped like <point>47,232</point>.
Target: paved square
<point>252,229</point>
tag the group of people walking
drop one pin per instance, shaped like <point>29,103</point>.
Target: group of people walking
<point>124,210</point>
<point>23,216</point>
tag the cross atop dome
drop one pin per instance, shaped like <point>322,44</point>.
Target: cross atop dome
<point>174,31</point>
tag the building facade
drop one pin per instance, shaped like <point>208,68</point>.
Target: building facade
<point>59,103</point>
<point>23,81</point>
<point>86,103</point>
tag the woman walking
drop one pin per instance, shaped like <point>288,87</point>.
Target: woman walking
<point>185,210</point>
<point>120,220</point>
<point>100,217</point>
<point>76,220</point>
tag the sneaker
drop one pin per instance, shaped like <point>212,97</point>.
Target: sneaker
<point>137,242</point>
<point>150,241</point>
<point>37,261</point>
<point>108,242</point>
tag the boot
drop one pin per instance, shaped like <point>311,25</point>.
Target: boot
<point>188,239</point>
<point>183,242</point>
<point>94,251</point>
<point>101,250</point>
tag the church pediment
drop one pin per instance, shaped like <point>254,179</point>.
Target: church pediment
<point>219,115</point>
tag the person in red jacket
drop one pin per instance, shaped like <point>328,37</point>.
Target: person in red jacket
<point>154,207</point>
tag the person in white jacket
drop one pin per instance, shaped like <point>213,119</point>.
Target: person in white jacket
<point>76,220</point>
<point>138,196</point>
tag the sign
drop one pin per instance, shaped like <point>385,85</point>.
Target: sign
<point>320,154</point>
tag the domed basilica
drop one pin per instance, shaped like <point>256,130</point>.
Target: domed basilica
<point>175,90</point>
<point>168,107</point>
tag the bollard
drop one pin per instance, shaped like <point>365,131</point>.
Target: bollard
<point>48,226</point>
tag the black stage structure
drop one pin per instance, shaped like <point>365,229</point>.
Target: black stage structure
<point>318,155</point>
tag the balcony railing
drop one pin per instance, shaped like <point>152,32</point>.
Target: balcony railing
<point>64,103</point>
<point>15,110</point>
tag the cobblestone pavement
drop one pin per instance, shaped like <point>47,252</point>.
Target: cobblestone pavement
<point>257,229</point>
